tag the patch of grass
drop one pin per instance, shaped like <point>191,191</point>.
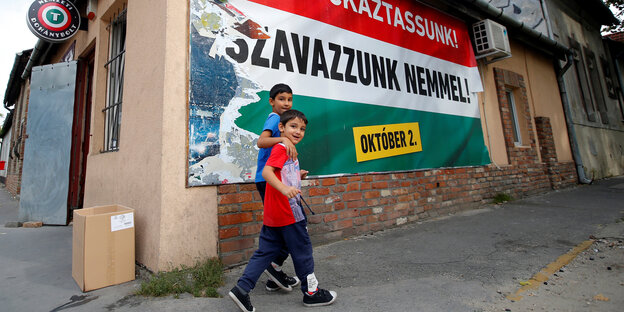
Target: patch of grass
<point>501,198</point>
<point>201,280</point>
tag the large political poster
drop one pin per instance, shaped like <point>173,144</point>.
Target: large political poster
<point>386,86</point>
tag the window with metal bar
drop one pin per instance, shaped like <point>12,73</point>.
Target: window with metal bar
<point>115,71</point>
<point>513,111</point>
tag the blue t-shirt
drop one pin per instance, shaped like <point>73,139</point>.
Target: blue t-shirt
<point>271,124</point>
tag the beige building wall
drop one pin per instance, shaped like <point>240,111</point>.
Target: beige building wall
<point>174,224</point>
<point>542,94</point>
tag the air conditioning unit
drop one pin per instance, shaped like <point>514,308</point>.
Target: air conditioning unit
<point>490,39</point>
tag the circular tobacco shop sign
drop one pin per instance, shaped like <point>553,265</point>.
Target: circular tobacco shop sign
<point>53,20</point>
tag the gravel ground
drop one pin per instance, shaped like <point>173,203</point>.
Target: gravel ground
<point>593,281</point>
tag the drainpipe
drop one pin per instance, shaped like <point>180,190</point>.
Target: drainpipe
<point>578,161</point>
<point>38,53</point>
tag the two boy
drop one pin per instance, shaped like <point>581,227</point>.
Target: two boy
<point>284,224</point>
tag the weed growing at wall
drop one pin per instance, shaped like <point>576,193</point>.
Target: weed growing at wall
<point>501,198</point>
<point>201,280</point>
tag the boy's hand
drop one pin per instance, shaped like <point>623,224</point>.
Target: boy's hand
<point>304,173</point>
<point>291,151</point>
<point>291,191</point>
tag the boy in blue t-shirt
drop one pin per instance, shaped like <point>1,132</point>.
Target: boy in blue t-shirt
<point>280,98</point>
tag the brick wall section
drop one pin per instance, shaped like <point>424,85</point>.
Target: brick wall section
<point>16,154</point>
<point>359,204</point>
<point>557,173</point>
<point>546,141</point>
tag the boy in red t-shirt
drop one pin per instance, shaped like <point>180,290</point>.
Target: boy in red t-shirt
<point>284,222</point>
<point>281,100</point>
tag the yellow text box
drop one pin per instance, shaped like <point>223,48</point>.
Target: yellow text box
<point>374,142</point>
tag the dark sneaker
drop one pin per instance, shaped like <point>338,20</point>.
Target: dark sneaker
<point>321,297</point>
<point>280,279</point>
<point>242,301</point>
<point>271,286</point>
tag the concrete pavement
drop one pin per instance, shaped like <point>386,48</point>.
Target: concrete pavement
<point>470,261</point>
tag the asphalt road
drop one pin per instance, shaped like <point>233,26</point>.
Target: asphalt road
<point>471,261</point>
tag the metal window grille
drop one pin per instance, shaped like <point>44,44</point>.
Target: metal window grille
<point>514,118</point>
<point>115,68</point>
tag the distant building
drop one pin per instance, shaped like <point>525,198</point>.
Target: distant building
<point>12,133</point>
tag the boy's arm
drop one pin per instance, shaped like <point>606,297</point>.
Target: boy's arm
<point>267,141</point>
<point>268,173</point>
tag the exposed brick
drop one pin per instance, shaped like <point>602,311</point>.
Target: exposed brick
<point>252,206</point>
<point>352,196</point>
<point>235,218</point>
<point>380,185</point>
<point>389,200</point>
<point>228,233</point>
<point>232,259</point>
<point>252,229</point>
<point>259,216</point>
<point>375,227</point>
<point>318,191</point>
<point>331,217</point>
<point>235,198</point>
<point>372,194</point>
<point>348,213</point>
<point>315,219</point>
<point>339,189</point>
<point>380,177</point>
<point>234,245</point>
<point>328,182</point>
<point>227,188</point>
<point>366,212</point>
<point>228,209</point>
<point>353,187</point>
<point>342,224</point>
<point>356,204</point>
<point>248,187</point>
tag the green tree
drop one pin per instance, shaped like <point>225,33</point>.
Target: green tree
<point>617,7</point>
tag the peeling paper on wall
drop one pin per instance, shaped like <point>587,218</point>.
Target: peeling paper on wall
<point>227,154</point>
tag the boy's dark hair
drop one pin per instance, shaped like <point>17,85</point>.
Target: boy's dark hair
<point>292,114</point>
<point>279,88</point>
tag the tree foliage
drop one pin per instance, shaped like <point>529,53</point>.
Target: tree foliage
<point>617,7</point>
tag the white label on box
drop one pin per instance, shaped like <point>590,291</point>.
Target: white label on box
<point>122,221</point>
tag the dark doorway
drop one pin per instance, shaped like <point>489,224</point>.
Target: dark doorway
<point>81,132</point>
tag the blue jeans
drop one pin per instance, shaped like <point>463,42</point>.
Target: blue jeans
<point>272,240</point>
<point>283,255</point>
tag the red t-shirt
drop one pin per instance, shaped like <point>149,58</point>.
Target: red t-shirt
<point>278,209</point>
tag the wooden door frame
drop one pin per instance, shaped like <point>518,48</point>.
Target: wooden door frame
<point>81,131</point>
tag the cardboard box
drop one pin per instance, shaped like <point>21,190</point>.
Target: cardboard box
<point>103,246</point>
